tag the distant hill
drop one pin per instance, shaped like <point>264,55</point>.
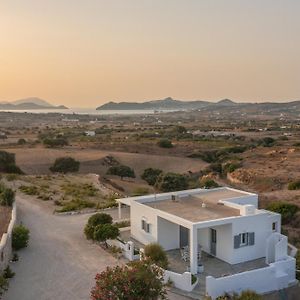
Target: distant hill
<point>225,105</point>
<point>165,104</point>
<point>29,103</point>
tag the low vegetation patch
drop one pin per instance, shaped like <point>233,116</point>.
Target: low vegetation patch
<point>165,143</point>
<point>156,255</point>
<point>171,182</point>
<point>150,175</point>
<point>20,237</point>
<point>287,210</point>
<point>294,185</point>
<point>7,196</point>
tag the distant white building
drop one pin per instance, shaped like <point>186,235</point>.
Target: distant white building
<point>90,133</point>
<point>224,223</point>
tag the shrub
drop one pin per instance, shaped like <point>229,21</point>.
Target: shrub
<point>3,285</point>
<point>21,142</point>
<point>249,295</point>
<point>171,182</point>
<point>165,143</point>
<point>122,171</point>
<point>55,142</point>
<point>65,165</point>
<point>267,142</point>
<point>150,175</point>
<point>7,196</point>
<point>208,183</point>
<point>20,237</point>
<point>294,185</point>
<point>156,254</point>
<point>122,224</point>
<point>287,210</point>
<point>95,220</point>
<point>8,273</point>
<point>138,280</point>
<point>31,190</point>
<point>231,167</point>
<point>104,232</point>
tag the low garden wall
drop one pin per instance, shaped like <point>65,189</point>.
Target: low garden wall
<point>180,281</point>
<point>276,276</point>
<point>5,243</point>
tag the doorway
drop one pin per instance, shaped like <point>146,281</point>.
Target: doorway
<point>183,236</point>
<point>213,242</point>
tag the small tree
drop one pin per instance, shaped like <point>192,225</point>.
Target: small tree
<point>171,182</point>
<point>8,163</point>
<point>122,171</point>
<point>156,254</point>
<point>150,175</point>
<point>138,280</point>
<point>104,232</point>
<point>165,143</point>
<point>65,165</point>
<point>20,237</point>
<point>95,220</point>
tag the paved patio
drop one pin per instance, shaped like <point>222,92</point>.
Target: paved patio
<point>212,266</point>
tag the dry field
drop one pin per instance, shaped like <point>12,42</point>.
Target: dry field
<point>38,160</point>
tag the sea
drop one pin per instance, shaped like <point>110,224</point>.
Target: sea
<point>87,111</point>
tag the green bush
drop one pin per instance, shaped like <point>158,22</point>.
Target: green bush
<point>150,175</point>
<point>7,196</point>
<point>165,143</point>
<point>249,295</point>
<point>157,255</point>
<point>287,210</point>
<point>103,232</point>
<point>294,185</point>
<point>95,220</point>
<point>76,204</point>
<point>171,182</point>
<point>140,191</point>
<point>21,142</point>
<point>65,165</point>
<point>100,218</point>
<point>122,171</point>
<point>20,237</point>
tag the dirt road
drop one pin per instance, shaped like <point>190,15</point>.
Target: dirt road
<point>59,263</point>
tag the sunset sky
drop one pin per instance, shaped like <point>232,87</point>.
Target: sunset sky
<point>86,52</point>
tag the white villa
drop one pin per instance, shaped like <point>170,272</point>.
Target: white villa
<point>224,223</point>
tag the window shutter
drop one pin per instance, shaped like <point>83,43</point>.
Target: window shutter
<point>237,240</point>
<point>148,228</point>
<point>251,238</point>
<point>143,224</point>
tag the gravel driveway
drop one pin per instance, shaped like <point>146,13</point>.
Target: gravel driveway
<point>59,263</point>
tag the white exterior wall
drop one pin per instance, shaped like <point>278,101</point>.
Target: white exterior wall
<point>168,234</point>
<point>261,225</point>
<point>137,213</point>
<point>277,276</point>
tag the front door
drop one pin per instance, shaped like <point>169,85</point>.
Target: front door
<point>183,236</point>
<point>213,242</point>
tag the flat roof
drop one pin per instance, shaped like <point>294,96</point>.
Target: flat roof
<point>190,207</point>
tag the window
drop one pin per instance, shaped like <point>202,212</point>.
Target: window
<point>274,226</point>
<point>243,239</point>
<point>145,226</point>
